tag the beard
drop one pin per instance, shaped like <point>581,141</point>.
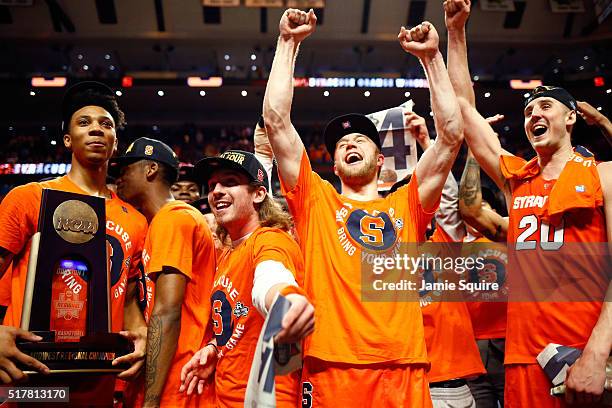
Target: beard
<point>357,175</point>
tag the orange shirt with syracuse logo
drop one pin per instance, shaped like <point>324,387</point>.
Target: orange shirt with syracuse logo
<point>448,332</point>
<point>489,318</point>
<point>179,238</point>
<point>333,231</point>
<point>532,325</point>
<point>237,324</point>
<point>125,232</point>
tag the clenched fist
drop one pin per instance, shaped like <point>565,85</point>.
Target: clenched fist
<point>456,13</point>
<point>420,41</point>
<point>297,24</point>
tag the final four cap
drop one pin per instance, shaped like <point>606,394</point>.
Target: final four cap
<point>144,148</point>
<point>554,92</point>
<point>239,160</point>
<point>344,125</point>
<point>87,93</point>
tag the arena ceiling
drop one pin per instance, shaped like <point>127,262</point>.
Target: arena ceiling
<point>163,40</point>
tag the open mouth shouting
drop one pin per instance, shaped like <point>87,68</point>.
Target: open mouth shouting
<point>352,158</point>
<point>539,129</point>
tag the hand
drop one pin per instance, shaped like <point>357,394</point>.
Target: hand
<point>298,322</point>
<point>297,24</point>
<point>136,359</point>
<point>456,13</point>
<point>585,380</point>
<point>421,41</point>
<point>588,112</point>
<point>10,354</point>
<point>495,118</point>
<point>198,369</point>
<point>417,128</point>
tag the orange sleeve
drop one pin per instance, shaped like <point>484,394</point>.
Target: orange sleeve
<point>172,243</point>
<point>275,245</point>
<point>409,194</point>
<point>300,197</point>
<point>511,166</point>
<point>19,216</point>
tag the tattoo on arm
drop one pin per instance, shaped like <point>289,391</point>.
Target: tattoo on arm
<point>469,187</point>
<point>154,340</point>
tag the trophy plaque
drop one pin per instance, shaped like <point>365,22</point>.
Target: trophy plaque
<point>66,299</point>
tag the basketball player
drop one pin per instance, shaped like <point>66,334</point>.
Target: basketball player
<point>358,348</point>
<point>571,195</point>
<point>179,256</point>
<point>90,119</point>
<point>263,260</point>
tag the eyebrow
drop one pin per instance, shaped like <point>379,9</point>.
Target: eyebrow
<point>84,116</point>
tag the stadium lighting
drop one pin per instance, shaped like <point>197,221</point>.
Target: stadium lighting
<point>42,82</point>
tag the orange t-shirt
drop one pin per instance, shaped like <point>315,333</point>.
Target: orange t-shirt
<point>125,232</point>
<point>489,318</point>
<point>532,325</point>
<point>5,287</point>
<point>237,324</point>
<point>179,238</point>
<point>448,333</point>
<point>334,233</point>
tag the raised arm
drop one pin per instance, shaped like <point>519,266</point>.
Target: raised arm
<point>436,162</point>
<point>479,135</point>
<point>456,13</point>
<point>486,221</point>
<point>593,117</point>
<point>295,26</point>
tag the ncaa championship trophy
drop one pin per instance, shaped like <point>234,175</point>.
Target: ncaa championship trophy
<point>66,299</point>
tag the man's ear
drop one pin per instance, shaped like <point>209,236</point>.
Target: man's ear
<point>571,118</point>
<point>151,169</point>
<point>260,195</point>
<point>68,141</point>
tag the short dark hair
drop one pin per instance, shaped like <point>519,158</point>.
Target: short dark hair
<point>94,97</point>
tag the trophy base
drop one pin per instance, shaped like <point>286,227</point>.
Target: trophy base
<point>92,354</point>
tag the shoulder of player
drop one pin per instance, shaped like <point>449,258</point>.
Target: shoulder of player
<point>177,214</point>
<point>28,191</point>
<point>120,207</point>
<point>273,236</point>
<point>604,169</point>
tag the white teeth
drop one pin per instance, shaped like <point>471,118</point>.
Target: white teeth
<point>222,205</point>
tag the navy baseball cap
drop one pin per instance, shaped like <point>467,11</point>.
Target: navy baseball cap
<point>144,148</point>
<point>554,92</point>
<point>89,93</point>
<point>239,160</point>
<point>344,125</point>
